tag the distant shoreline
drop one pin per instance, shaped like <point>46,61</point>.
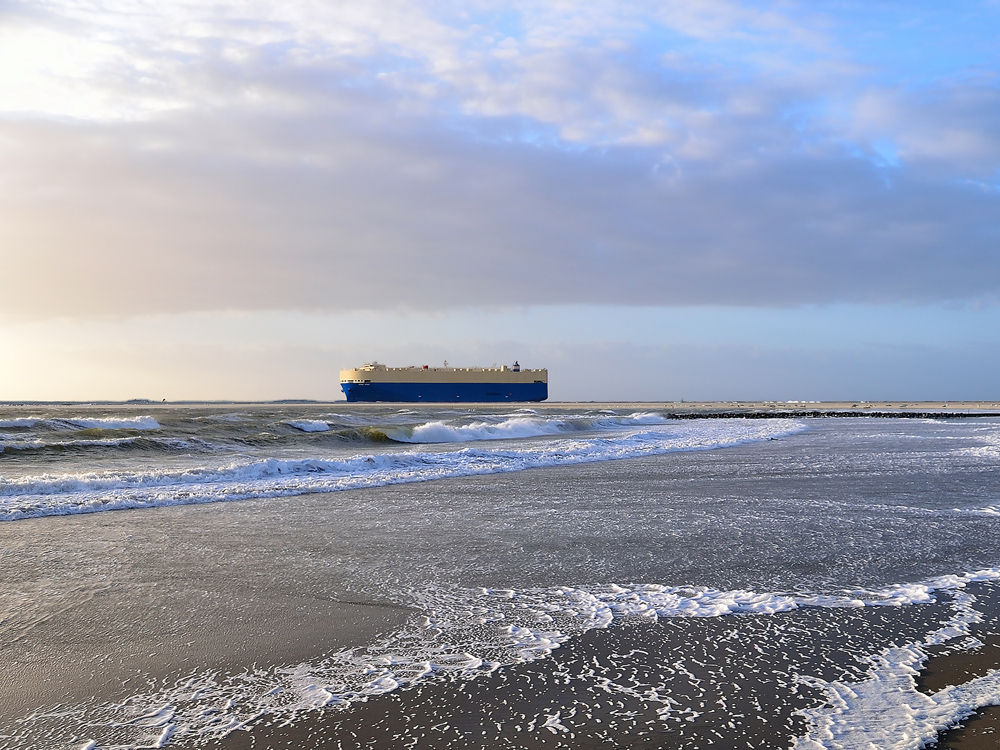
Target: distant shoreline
<point>676,409</point>
<point>872,409</point>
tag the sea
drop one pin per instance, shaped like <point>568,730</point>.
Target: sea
<point>559,575</point>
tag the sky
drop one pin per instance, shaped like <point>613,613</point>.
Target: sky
<point>691,199</point>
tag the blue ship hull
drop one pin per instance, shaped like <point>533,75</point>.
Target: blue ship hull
<point>453,393</point>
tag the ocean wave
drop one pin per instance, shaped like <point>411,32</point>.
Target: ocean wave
<point>62,445</point>
<point>364,435</point>
<point>646,418</point>
<point>21,422</point>
<point>520,425</point>
<point>272,477</point>
<point>141,443</point>
<point>113,423</point>
<point>237,416</point>
<point>443,432</point>
<point>309,425</point>
<point>83,423</point>
<point>990,449</point>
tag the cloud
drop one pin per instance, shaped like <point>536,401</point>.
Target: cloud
<point>337,156</point>
<point>949,129</point>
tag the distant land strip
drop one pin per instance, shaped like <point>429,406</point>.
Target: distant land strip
<point>875,410</point>
<point>673,409</point>
<point>771,414</point>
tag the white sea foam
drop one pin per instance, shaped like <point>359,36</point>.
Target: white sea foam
<point>886,710</point>
<point>599,607</point>
<point>645,418</point>
<point>443,432</point>
<point>309,425</point>
<point>49,494</point>
<point>991,449</point>
<point>465,632</point>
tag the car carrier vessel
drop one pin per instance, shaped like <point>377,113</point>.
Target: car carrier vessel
<point>377,382</point>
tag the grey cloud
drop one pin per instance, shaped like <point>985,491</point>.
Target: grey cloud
<point>236,210</point>
<point>950,129</point>
<point>324,184</point>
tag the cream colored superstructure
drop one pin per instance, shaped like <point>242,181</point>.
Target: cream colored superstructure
<point>379,373</point>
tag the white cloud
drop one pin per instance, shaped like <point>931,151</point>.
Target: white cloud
<point>317,155</point>
<point>951,127</point>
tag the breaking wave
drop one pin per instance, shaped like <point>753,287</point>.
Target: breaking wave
<point>46,495</point>
<point>13,444</point>
<point>523,425</point>
<point>20,423</point>
<point>83,423</point>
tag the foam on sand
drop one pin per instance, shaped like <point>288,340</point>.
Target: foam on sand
<point>464,633</point>
<point>886,710</point>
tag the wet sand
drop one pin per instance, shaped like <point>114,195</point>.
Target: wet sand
<point>734,680</point>
<point>981,731</point>
<point>104,605</point>
<point>741,670</point>
<point>955,667</point>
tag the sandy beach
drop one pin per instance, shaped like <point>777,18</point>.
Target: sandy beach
<point>99,607</point>
<point>559,576</point>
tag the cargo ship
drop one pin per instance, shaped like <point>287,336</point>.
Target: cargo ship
<point>377,382</point>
